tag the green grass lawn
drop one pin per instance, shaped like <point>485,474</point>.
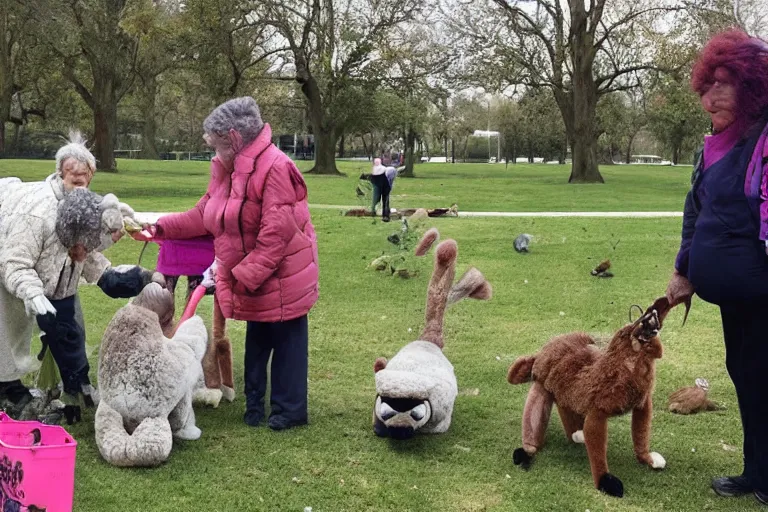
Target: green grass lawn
<point>474,187</point>
<point>337,464</point>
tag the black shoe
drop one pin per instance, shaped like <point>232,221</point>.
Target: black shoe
<point>73,414</point>
<point>14,397</point>
<point>283,423</point>
<point>253,418</point>
<point>731,486</point>
<point>761,497</point>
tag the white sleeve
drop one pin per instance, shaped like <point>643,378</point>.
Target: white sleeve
<point>94,266</point>
<point>20,257</point>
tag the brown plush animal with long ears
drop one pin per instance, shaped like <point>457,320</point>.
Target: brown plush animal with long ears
<point>416,389</point>
<point>590,385</point>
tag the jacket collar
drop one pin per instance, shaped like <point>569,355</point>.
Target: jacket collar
<point>57,185</point>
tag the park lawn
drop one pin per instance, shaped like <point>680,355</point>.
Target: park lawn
<point>474,187</point>
<point>337,464</point>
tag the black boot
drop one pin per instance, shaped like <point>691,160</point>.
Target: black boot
<point>731,486</point>
<point>14,396</point>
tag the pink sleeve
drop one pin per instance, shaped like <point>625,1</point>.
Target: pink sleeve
<point>183,225</point>
<point>278,226</point>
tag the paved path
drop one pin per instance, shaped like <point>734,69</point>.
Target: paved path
<point>153,216</point>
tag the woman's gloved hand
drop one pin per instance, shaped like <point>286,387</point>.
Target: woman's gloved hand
<point>209,276</point>
<point>39,305</point>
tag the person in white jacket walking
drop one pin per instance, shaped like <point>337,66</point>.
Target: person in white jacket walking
<point>51,234</point>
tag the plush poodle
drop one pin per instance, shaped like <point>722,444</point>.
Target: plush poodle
<point>147,381</point>
<point>416,389</point>
<point>590,385</point>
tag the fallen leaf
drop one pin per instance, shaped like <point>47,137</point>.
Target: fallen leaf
<point>562,313</point>
<point>462,448</point>
<point>470,392</point>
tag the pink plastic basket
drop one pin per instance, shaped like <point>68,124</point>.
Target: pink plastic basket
<point>37,466</point>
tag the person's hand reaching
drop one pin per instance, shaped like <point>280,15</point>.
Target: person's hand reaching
<point>679,289</point>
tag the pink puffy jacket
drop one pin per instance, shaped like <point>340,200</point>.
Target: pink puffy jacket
<point>266,247</point>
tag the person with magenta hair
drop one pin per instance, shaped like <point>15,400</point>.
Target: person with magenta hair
<point>723,255</point>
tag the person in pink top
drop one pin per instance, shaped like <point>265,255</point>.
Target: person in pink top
<point>256,210</point>
<point>188,258</point>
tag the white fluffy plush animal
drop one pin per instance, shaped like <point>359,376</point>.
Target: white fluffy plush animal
<point>416,389</point>
<point>147,382</point>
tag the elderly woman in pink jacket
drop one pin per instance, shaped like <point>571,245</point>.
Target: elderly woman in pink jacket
<point>266,255</point>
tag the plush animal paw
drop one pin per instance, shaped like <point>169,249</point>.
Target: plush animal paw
<point>578,437</point>
<point>207,396</point>
<point>191,433</point>
<point>521,458</point>
<point>611,485</point>
<point>657,461</point>
<point>228,393</point>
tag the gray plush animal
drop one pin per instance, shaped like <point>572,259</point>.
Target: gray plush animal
<point>416,389</point>
<point>147,382</point>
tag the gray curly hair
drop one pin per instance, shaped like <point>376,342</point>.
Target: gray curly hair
<point>239,114</point>
<point>79,219</point>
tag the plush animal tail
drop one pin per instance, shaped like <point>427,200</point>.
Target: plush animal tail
<point>439,285</point>
<point>149,445</point>
<point>521,370</point>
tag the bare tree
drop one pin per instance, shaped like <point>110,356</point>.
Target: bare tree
<point>332,43</point>
<point>14,39</point>
<point>580,50</point>
<point>97,56</point>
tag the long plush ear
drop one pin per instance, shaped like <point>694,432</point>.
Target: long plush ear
<point>473,285</point>
<point>439,288</point>
<point>429,238</point>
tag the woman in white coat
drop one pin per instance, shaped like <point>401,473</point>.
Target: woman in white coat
<point>51,234</point>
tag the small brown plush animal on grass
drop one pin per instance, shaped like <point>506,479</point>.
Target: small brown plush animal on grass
<point>693,399</point>
<point>590,385</point>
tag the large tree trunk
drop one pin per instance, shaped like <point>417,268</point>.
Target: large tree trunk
<point>104,122</point>
<point>105,132</point>
<point>149,126</point>
<point>324,132</point>
<point>410,141</point>
<point>582,134</point>
<point>628,155</point>
<point>325,154</point>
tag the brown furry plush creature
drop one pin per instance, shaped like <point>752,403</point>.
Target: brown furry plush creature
<point>590,385</point>
<point>693,399</point>
<point>217,363</point>
<point>416,389</point>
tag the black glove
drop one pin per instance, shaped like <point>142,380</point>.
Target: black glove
<point>124,281</point>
